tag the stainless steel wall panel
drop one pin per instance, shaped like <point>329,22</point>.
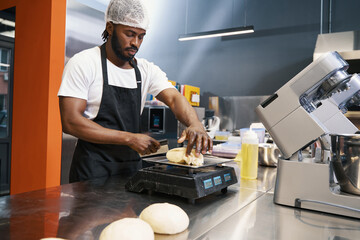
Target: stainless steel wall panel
<point>239,111</point>
<point>84,26</point>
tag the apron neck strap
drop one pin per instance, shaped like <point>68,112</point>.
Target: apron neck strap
<point>103,63</point>
<point>132,63</point>
<point>104,66</point>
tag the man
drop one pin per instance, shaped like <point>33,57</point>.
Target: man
<point>103,92</point>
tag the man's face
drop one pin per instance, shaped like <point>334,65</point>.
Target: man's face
<point>126,41</point>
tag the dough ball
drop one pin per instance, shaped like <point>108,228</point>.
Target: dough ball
<point>178,155</point>
<point>179,236</point>
<point>165,218</point>
<point>52,238</point>
<point>128,229</point>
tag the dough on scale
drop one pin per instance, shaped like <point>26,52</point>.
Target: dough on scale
<point>177,155</point>
<point>165,218</point>
<point>128,229</point>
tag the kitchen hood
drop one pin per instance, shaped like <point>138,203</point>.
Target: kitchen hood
<point>347,44</point>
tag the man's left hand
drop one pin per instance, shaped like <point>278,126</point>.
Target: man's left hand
<point>196,135</point>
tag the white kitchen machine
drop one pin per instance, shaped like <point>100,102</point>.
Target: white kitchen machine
<point>310,109</point>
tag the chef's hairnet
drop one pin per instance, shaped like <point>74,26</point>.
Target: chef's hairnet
<point>131,13</point>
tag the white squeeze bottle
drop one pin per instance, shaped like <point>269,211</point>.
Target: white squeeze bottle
<point>249,155</point>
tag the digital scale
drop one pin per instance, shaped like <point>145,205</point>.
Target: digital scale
<point>188,181</point>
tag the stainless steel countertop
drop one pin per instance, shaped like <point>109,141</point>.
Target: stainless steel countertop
<point>246,211</point>
<point>262,219</point>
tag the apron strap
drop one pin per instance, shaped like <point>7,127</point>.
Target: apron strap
<point>132,63</point>
<point>103,64</point>
<point>138,82</point>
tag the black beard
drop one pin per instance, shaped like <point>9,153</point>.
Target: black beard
<point>118,50</point>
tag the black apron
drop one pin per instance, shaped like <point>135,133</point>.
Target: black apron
<point>119,110</point>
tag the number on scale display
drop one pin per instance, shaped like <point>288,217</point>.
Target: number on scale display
<point>217,180</point>
<point>227,177</point>
<point>208,183</point>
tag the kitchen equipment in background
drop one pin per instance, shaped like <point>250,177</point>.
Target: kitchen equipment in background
<point>345,43</point>
<point>300,112</point>
<point>249,155</point>
<point>227,150</point>
<point>268,154</point>
<point>188,181</point>
<point>222,135</point>
<point>345,160</point>
<point>191,93</point>
<point>259,131</point>
<point>160,123</point>
<point>256,125</point>
<point>209,118</point>
<point>211,123</point>
<point>214,104</point>
<point>237,112</point>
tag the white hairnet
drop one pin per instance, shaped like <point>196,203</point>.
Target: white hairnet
<point>131,13</point>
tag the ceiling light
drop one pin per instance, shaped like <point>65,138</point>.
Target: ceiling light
<point>4,65</point>
<point>7,22</point>
<point>8,34</point>
<point>217,33</point>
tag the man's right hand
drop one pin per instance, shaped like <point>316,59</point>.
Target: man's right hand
<point>74,123</point>
<point>143,144</point>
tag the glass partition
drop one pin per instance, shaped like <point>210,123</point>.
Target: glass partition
<point>7,39</point>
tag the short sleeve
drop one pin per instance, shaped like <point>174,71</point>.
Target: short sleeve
<point>75,79</point>
<point>158,80</point>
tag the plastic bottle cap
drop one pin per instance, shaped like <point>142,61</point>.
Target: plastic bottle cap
<point>250,136</point>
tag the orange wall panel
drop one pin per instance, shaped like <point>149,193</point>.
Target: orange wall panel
<point>38,64</point>
<point>57,58</point>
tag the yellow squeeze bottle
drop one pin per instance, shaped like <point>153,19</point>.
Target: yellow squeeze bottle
<point>249,155</point>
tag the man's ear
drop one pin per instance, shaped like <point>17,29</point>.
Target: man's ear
<point>109,28</point>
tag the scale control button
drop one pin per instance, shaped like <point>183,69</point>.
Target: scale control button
<point>227,177</point>
<point>208,183</point>
<point>217,180</point>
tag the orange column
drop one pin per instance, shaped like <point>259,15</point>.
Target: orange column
<point>57,59</point>
<point>38,64</point>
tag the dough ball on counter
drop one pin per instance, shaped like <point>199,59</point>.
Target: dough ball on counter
<point>128,229</point>
<point>184,235</point>
<point>165,218</point>
<point>52,238</point>
<point>178,155</point>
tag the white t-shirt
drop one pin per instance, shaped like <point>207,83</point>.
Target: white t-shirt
<point>82,78</point>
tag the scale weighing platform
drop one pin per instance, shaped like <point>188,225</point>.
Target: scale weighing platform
<point>188,181</point>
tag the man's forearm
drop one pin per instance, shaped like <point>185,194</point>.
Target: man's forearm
<point>90,131</point>
<point>74,123</point>
<point>195,132</point>
<point>184,112</point>
<point>178,104</point>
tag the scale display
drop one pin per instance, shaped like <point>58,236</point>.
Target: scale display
<point>227,177</point>
<point>208,183</point>
<point>217,180</point>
